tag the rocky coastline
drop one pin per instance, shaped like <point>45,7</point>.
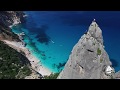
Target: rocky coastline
<point>12,18</point>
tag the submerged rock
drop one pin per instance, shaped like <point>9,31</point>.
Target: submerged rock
<point>88,59</point>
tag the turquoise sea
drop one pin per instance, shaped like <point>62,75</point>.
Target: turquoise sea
<point>51,35</point>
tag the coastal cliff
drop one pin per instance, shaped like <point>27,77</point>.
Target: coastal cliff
<point>88,59</point>
<point>11,17</point>
<point>14,63</point>
<point>7,19</point>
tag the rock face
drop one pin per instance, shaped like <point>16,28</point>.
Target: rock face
<point>7,19</point>
<point>88,59</point>
<point>11,17</point>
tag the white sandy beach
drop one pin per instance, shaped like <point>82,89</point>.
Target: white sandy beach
<point>35,63</point>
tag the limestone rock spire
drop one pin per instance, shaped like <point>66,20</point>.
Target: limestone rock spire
<point>95,31</point>
<point>88,59</point>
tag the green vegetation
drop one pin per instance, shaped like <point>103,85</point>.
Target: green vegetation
<point>12,63</point>
<point>98,51</point>
<point>93,43</point>
<point>26,70</point>
<point>52,76</point>
<point>101,60</point>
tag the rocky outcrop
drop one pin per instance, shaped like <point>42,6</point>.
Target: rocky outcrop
<point>88,59</point>
<point>11,17</point>
<point>7,19</point>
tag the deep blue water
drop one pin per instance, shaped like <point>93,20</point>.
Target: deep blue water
<point>51,35</point>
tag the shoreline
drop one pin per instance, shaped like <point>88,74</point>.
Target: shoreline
<point>35,63</point>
